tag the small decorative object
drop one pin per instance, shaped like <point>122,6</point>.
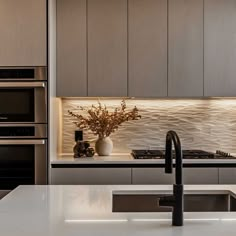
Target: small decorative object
<point>103,122</point>
<point>82,148</point>
<point>89,152</point>
<point>104,146</point>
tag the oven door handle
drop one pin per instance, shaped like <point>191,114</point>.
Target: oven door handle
<point>22,142</point>
<point>22,84</point>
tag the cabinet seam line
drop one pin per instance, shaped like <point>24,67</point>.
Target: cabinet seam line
<point>87,48</point>
<point>167,49</point>
<point>127,48</point>
<point>203,41</point>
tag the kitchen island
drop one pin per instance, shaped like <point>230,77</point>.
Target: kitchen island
<point>87,210</point>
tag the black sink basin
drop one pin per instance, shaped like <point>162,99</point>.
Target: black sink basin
<point>193,202</point>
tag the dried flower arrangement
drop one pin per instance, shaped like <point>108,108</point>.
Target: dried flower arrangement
<point>103,122</point>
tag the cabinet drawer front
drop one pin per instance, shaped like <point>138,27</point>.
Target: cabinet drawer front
<point>227,175</point>
<point>151,176</point>
<point>190,176</point>
<point>91,176</point>
<point>200,175</point>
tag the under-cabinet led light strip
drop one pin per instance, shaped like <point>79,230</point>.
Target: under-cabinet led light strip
<point>95,220</point>
<point>141,220</point>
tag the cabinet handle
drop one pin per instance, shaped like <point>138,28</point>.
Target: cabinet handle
<point>23,84</point>
<point>22,142</point>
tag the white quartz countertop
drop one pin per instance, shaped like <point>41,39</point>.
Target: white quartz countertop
<point>87,211</point>
<point>126,158</point>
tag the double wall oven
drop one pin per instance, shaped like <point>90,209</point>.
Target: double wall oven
<point>23,126</point>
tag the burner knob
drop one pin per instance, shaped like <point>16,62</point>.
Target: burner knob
<point>224,154</point>
<point>147,151</point>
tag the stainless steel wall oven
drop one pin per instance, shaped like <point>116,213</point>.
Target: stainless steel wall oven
<point>23,127</point>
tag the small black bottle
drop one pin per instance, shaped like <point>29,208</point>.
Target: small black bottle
<point>79,148</point>
<point>78,135</point>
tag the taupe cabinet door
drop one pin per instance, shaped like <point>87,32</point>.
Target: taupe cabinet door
<point>227,175</point>
<point>220,47</point>
<point>185,78</point>
<point>71,48</point>
<point>147,48</point>
<point>190,176</point>
<point>90,176</point>
<point>200,176</point>
<point>107,47</point>
<point>23,34</point>
<point>151,176</point>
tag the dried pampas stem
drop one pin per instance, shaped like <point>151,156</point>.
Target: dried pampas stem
<point>101,121</point>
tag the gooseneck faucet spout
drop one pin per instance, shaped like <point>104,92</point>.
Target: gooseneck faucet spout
<point>175,201</point>
<point>172,136</point>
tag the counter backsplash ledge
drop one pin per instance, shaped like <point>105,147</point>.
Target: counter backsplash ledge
<point>208,124</point>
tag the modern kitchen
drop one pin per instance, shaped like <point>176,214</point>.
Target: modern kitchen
<point>117,117</point>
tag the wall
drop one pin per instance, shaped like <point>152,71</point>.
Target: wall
<point>208,124</point>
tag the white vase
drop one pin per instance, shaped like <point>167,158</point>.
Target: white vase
<point>104,146</point>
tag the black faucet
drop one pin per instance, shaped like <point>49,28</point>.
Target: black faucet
<point>175,201</point>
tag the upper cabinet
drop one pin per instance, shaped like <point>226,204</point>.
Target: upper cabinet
<point>147,48</point>
<point>107,47</point>
<point>71,48</point>
<point>185,54</point>
<point>23,27</point>
<point>137,48</point>
<point>220,48</point>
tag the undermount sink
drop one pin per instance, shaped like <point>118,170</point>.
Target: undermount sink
<point>140,201</point>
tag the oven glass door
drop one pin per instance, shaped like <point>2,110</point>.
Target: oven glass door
<point>16,165</point>
<point>22,162</point>
<point>23,102</point>
<point>17,105</point>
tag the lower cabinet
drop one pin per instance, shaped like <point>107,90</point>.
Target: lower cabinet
<point>190,176</point>
<point>200,176</point>
<point>141,176</point>
<point>227,175</point>
<point>90,176</point>
<point>151,176</point>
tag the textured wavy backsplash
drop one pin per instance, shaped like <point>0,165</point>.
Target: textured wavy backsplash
<point>207,124</point>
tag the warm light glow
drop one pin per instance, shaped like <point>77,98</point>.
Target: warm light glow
<point>95,220</point>
<point>203,219</point>
<point>150,220</point>
<point>190,219</point>
<point>199,123</point>
<point>233,219</point>
<point>142,220</point>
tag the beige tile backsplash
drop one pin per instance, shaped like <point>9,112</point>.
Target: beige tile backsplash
<point>207,124</point>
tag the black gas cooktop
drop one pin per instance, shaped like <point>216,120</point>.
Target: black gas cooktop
<point>187,154</point>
